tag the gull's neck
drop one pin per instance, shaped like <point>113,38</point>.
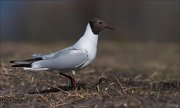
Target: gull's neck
<point>89,31</point>
<point>88,40</point>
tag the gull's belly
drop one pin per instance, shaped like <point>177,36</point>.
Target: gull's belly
<point>91,57</point>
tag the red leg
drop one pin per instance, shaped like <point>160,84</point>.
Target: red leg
<point>73,81</point>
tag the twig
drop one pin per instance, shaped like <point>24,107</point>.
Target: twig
<point>120,85</point>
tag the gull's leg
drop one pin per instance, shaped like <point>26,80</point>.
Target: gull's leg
<point>73,81</point>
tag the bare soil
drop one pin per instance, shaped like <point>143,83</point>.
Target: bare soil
<point>124,75</point>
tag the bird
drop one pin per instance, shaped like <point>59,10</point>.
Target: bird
<point>75,57</point>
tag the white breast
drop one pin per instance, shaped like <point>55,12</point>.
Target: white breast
<point>88,42</point>
<point>91,55</point>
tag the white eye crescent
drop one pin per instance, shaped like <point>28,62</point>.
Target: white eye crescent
<point>99,22</point>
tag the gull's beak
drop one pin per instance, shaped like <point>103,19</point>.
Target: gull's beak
<point>109,27</point>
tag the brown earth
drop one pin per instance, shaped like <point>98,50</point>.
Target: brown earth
<point>124,75</point>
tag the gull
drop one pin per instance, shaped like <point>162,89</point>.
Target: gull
<point>75,57</point>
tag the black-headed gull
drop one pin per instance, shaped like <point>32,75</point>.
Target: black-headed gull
<point>72,58</point>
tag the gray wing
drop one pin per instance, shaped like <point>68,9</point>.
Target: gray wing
<point>50,55</point>
<point>72,59</point>
<point>37,55</point>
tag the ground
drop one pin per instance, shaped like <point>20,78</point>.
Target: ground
<point>123,75</point>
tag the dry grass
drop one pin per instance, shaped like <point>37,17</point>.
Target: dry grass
<point>123,75</point>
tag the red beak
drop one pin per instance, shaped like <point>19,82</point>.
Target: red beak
<point>109,27</point>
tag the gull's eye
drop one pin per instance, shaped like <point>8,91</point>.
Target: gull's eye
<point>99,22</point>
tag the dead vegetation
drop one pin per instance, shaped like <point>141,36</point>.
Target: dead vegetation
<point>123,75</point>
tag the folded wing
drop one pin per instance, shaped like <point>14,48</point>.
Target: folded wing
<point>71,59</point>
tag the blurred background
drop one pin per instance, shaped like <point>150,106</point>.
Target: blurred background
<point>140,58</point>
<point>66,20</point>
